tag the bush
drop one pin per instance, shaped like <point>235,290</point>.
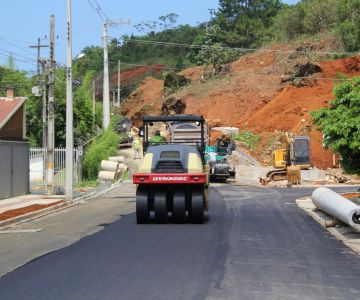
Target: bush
<point>340,123</point>
<point>250,139</point>
<point>101,148</point>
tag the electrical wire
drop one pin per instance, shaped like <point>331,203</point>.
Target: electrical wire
<point>245,73</point>
<point>95,5</point>
<point>243,50</point>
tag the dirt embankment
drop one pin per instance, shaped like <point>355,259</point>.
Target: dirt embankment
<point>255,93</point>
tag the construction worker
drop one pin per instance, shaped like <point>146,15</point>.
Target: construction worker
<point>136,145</point>
<point>157,138</point>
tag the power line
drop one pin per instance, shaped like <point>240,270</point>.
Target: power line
<point>15,40</point>
<point>21,48</point>
<point>95,5</point>
<point>244,50</point>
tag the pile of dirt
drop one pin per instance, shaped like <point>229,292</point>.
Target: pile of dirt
<point>173,106</point>
<point>147,99</point>
<point>174,81</point>
<point>255,96</point>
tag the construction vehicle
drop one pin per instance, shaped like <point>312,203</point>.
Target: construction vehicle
<point>172,179</point>
<point>219,168</point>
<point>288,162</point>
<point>123,127</point>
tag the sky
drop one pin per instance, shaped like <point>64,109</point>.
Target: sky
<point>23,22</point>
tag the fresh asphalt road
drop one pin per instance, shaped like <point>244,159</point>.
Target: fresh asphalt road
<point>256,244</point>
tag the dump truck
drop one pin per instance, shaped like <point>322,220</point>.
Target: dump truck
<point>289,161</point>
<point>172,179</point>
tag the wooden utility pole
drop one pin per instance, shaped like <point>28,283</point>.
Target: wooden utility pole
<point>51,112</point>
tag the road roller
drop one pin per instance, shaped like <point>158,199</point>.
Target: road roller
<point>172,179</point>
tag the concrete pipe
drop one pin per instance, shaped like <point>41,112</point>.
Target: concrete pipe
<point>107,176</point>
<point>111,166</point>
<point>337,206</point>
<point>123,167</point>
<point>119,159</point>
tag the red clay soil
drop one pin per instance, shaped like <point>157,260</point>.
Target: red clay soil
<point>146,99</point>
<point>132,76</point>
<point>24,210</point>
<point>253,96</point>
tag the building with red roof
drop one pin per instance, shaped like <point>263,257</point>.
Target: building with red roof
<point>12,117</point>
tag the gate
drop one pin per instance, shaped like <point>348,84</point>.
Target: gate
<point>14,169</point>
<point>38,170</point>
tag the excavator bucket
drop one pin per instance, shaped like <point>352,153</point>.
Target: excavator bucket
<point>293,175</point>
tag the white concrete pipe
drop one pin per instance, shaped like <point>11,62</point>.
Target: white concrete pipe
<point>337,206</point>
<point>107,176</point>
<point>111,166</point>
<point>119,159</point>
<point>123,167</point>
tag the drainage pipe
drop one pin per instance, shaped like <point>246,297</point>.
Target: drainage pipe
<point>337,206</point>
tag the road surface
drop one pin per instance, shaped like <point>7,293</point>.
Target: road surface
<point>256,244</point>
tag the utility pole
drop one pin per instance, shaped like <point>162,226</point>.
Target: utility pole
<point>93,102</point>
<point>51,114</point>
<point>38,46</point>
<point>118,85</point>
<point>212,13</point>
<point>44,102</point>
<point>43,87</point>
<point>69,181</point>
<point>106,92</point>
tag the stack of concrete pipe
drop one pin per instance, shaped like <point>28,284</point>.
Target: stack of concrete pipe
<point>112,169</point>
<point>337,206</point>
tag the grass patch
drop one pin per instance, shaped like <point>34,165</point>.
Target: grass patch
<point>87,184</point>
<point>247,137</point>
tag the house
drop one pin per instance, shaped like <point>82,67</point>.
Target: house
<point>12,117</point>
<point>14,149</point>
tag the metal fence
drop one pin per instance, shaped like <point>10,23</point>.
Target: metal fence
<point>38,169</point>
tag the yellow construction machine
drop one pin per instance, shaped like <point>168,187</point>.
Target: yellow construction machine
<point>289,161</point>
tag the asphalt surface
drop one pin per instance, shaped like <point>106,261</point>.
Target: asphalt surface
<point>256,244</point>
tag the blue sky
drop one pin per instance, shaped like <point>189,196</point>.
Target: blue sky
<point>23,21</point>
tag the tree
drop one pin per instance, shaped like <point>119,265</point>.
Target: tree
<point>11,62</point>
<point>245,23</point>
<point>207,50</point>
<point>340,123</point>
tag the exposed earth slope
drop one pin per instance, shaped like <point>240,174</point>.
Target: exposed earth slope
<point>266,91</point>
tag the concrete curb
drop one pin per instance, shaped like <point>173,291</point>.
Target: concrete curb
<point>275,186</point>
<point>347,234</point>
<point>55,208</point>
